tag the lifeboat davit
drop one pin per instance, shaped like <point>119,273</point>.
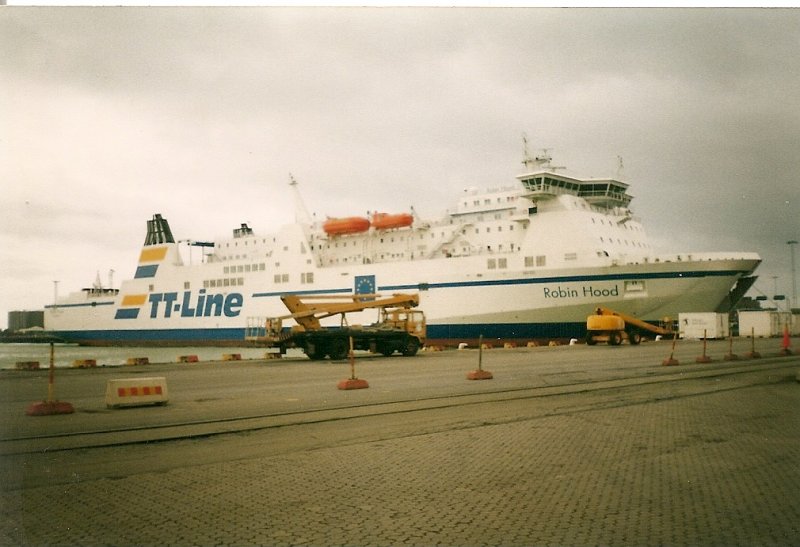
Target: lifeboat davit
<point>347,225</point>
<point>385,221</point>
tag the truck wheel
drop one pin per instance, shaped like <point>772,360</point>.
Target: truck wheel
<point>590,341</point>
<point>634,337</point>
<point>386,351</point>
<point>339,349</point>
<point>614,339</point>
<point>315,352</point>
<point>411,347</point>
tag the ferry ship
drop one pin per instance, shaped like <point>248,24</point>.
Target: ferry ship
<point>524,262</point>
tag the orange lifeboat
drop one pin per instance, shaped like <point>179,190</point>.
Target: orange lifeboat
<point>385,221</point>
<point>347,225</point>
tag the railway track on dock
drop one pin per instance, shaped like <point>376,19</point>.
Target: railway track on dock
<point>493,406</point>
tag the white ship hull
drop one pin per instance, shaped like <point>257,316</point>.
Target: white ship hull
<point>527,262</point>
<point>512,306</point>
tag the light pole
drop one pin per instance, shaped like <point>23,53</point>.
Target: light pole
<point>793,303</point>
<point>775,291</point>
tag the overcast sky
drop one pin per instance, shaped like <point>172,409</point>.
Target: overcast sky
<point>108,115</point>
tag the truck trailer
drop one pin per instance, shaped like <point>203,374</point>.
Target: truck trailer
<point>399,328</point>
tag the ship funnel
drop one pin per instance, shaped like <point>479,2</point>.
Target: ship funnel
<point>158,231</point>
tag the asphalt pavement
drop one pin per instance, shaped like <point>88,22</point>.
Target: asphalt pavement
<point>565,446</point>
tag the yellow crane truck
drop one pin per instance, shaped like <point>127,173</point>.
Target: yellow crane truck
<point>399,328</point>
<point>613,327</point>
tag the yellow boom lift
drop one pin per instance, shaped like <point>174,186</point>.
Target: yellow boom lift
<point>611,326</point>
<point>399,328</point>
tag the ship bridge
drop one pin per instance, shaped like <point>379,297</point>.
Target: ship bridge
<point>607,193</point>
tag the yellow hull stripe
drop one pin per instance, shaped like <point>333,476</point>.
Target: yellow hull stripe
<point>153,255</point>
<point>134,299</point>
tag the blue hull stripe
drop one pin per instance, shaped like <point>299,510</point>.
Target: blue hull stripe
<point>146,271</point>
<point>127,313</point>
<point>235,336</point>
<point>155,336</point>
<point>563,279</point>
<point>517,281</point>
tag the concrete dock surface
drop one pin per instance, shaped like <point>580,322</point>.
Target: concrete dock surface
<point>565,446</point>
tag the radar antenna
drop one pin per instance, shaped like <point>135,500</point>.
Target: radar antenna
<point>541,161</point>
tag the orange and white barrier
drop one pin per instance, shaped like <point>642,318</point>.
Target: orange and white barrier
<point>232,357</point>
<point>138,361</point>
<point>187,359</point>
<point>27,365</point>
<point>84,363</point>
<point>136,392</point>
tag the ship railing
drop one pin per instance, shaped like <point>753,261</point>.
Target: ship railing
<point>704,257</point>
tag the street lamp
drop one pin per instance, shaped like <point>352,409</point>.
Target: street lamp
<point>793,303</point>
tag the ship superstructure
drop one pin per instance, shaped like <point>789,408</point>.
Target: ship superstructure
<point>528,260</point>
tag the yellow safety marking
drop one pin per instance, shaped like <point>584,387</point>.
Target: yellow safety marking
<point>153,255</point>
<point>134,299</point>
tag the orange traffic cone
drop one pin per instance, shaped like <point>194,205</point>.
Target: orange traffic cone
<point>786,342</point>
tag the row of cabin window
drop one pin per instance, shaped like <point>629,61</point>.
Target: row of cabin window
<point>305,278</point>
<point>403,238</point>
<point>627,242</point>
<point>244,268</point>
<point>226,282</point>
<point>246,241</point>
<point>488,201</point>
<point>625,225</point>
<point>530,261</point>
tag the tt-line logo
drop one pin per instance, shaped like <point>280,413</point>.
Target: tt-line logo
<point>203,305</point>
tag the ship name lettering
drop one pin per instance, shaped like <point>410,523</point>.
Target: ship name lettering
<point>203,305</point>
<point>559,292</point>
<point>587,292</point>
<point>594,292</point>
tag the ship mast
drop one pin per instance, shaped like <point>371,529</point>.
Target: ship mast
<point>302,218</point>
<point>540,161</point>
<point>300,212</point>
